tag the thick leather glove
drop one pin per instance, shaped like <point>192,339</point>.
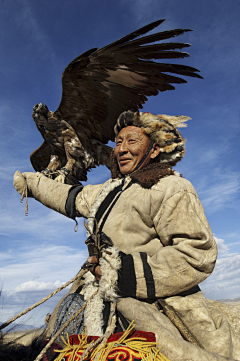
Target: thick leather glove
<point>20,183</point>
<point>50,193</point>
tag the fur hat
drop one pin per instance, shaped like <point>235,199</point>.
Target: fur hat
<point>160,129</point>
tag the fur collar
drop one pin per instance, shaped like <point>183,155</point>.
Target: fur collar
<point>150,175</point>
<point>146,176</point>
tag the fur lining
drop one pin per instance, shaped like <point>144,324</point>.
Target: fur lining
<point>109,186</point>
<point>146,176</point>
<point>93,312</point>
<point>107,290</point>
<point>150,175</point>
<point>110,265</point>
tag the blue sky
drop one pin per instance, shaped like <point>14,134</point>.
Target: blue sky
<point>38,39</point>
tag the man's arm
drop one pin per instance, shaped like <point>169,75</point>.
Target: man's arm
<point>187,257</point>
<point>68,200</point>
<point>46,191</point>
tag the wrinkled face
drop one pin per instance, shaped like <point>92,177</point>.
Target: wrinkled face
<point>131,146</point>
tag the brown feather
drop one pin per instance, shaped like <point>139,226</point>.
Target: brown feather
<point>98,85</point>
<point>98,77</point>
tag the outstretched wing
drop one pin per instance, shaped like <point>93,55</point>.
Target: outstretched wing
<point>99,84</point>
<point>40,157</point>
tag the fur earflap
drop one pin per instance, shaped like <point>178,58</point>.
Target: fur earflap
<point>160,129</point>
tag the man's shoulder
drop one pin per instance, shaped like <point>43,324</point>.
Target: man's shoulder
<point>173,183</point>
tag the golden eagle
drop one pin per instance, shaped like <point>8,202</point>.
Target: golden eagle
<point>96,87</point>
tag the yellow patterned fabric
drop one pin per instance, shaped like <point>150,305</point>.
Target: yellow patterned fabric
<point>123,346</point>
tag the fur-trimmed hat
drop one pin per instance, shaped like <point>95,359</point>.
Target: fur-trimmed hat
<point>160,129</point>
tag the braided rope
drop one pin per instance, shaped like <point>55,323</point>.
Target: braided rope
<point>80,274</point>
<point>103,339</point>
<point>44,350</point>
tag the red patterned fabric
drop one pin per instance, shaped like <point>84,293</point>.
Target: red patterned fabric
<point>120,352</point>
<point>149,336</point>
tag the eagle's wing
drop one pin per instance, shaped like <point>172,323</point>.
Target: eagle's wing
<point>99,84</point>
<point>40,157</point>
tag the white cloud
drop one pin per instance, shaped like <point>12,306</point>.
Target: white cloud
<point>40,223</point>
<point>33,273</point>
<point>37,286</point>
<point>220,195</point>
<point>45,262</point>
<point>222,248</point>
<point>219,189</point>
<point>224,282</point>
<point>12,304</point>
<point>210,155</point>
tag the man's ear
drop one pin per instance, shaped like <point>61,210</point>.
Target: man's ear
<point>155,150</point>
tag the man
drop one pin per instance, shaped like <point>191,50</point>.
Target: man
<point>162,243</point>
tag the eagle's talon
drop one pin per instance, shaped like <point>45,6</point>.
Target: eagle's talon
<point>62,175</point>
<point>60,178</point>
<point>65,171</point>
<point>47,172</point>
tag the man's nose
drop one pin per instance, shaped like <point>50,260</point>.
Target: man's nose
<point>123,147</point>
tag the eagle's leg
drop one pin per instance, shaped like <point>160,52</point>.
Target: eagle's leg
<point>75,155</point>
<point>55,163</point>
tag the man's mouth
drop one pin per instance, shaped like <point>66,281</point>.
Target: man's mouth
<point>123,161</point>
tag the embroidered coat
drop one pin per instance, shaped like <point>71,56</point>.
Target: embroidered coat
<point>167,250</point>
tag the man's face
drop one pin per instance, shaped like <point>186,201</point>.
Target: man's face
<point>131,146</point>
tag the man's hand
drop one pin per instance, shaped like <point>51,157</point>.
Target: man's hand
<point>19,182</point>
<point>96,269</point>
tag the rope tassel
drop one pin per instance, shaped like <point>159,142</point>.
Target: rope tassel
<point>25,194</point>
<point>136,347</point>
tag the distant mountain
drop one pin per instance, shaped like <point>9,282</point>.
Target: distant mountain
<point>230,300</point>
<point>13,327</point>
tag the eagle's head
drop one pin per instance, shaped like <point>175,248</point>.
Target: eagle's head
<point>40,109</point>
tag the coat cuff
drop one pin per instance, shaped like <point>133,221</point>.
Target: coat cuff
<point>128,282</point>
<point>70,208</point>
<point>126,276</point>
